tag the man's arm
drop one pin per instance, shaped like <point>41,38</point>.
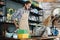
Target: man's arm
<point>15,16</point>
<point>14,21</point>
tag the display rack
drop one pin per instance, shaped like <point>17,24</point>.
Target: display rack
<point>38,8</point>
<point>2,5</point>
<point>2,11</point>
<point>32,21</point>
<point>35,14</point>
<point>2,16</point>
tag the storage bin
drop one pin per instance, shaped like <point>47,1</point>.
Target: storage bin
<point>23,36</point>
<point>20,31</point>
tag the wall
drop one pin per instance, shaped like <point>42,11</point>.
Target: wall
<point>47,8</point>
<point>45,0</point>
<point>14,5</point>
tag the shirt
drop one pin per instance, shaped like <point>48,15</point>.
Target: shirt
<point>18,14</point>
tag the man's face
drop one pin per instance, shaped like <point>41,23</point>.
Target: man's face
<point>28,5</point>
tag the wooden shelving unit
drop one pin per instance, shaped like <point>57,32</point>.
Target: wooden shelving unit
<point>36,7</point>
<point>2,17</point>
<point>34,38</point>
<point>32,21</point>
<point>2,4</point>
<point>35,14</point>
<point>3,10</point>
<point>50,37</point>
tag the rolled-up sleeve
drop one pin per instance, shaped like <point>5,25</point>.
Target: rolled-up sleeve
<point>17,15</point>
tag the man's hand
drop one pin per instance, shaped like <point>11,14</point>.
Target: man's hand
<point>17,26</point>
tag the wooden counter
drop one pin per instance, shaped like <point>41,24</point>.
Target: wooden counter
<point>34,38</point>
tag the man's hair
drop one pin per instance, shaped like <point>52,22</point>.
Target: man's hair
<point>27,2</point>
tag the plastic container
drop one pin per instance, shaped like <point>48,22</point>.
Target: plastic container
<point>55,32</point>
<point>22,34</point>
<point>22,31</point>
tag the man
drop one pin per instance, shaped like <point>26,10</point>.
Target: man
<point>21,16</point>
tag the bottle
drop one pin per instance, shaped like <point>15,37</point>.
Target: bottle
<point>54,31</point>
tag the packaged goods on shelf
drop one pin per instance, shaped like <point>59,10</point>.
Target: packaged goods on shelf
<point>38,31</point>
<point>33,18</point>
<point>1,13</point>
<point>34,11</point>
<point>33,24</point>
<point>1,2</point>
<point>41,12</point>
<point>35,3</point>
<point>24,0</point>
<point>10,11</point>
<point>41,19</point>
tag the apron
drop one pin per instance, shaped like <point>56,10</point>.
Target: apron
<point>23,24</point>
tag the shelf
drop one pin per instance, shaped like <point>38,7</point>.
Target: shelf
<point>35,36</point>
<point>39,37</point>
<point>1,9</point>
<point>7,22</point>
<point>35,14</point>
<point>32,25</point>
<point>10,22</point>
<point>1,5</point>
<point>1,15</point>
<point>32,6</point>
<point>32,21</point>
<point>50,37</point>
